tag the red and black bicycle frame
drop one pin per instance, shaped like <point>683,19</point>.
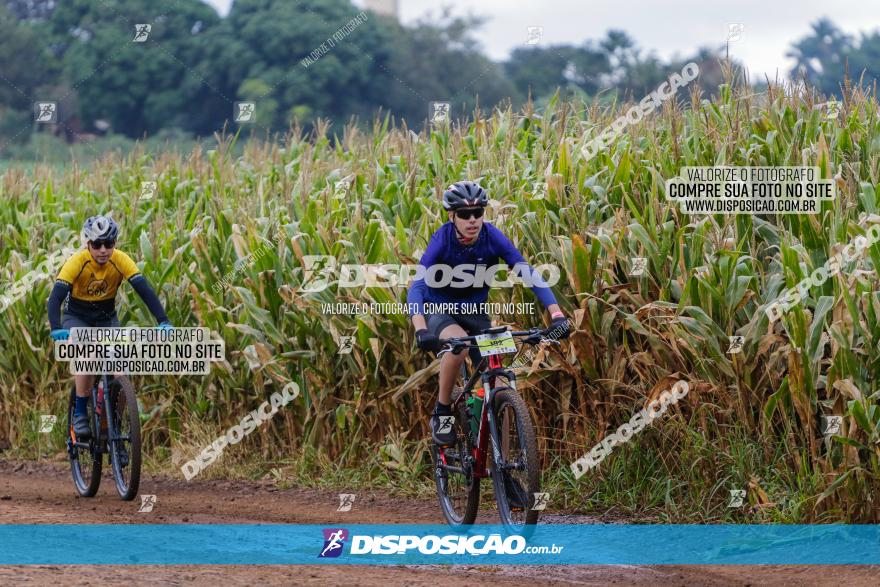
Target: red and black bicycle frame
<point>488,426</point>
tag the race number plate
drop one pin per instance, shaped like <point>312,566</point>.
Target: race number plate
<point>496,344</point>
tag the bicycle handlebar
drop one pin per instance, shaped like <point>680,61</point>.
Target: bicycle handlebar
<point>533,336</point>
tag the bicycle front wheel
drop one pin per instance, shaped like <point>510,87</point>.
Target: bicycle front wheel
<point>125,445</point>
<point>517,477</point>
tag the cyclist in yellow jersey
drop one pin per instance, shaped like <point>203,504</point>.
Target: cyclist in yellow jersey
<point>87,286</point>
<point>93,282</point>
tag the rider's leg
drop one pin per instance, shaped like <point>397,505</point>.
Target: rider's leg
<point>84,385</point>
<point>441,431</point>
<point>81,407</point>
<point>450,365</point>
<point>83,382</point>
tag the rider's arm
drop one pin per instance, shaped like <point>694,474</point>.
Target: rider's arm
<point>59,292</point>
<point>415,294</point>
<point>143,288</point>
<point>139,283</point>
<point>511,255</point>
<point>62,288</point>
<point>418,322</point>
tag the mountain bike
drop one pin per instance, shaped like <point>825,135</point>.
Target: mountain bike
<point>501,417</point>
<point>119,436</point>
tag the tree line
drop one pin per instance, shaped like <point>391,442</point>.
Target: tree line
<point>193,65</point>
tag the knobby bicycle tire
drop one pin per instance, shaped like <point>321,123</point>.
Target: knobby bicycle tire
<point>529,482</point>
<point>127,490</point>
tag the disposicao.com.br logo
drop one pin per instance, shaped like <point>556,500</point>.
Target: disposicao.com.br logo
<point>335,538</point>
<point>322,271</point>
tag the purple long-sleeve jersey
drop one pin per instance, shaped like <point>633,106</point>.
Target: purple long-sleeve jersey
<point>490,246</point>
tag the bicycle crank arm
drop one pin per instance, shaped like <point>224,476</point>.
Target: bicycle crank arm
<point>453,469</point>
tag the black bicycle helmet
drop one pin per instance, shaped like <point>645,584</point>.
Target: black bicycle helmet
<point>99,228</point>
<point>464,194</point>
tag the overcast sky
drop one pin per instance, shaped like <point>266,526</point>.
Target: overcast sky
<point>675,27</point>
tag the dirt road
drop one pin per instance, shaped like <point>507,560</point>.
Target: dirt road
<point>42,493</point>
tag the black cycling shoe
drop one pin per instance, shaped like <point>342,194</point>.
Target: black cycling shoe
<point>81,426</point>
<point>515,493</point>
<point>443,429</point>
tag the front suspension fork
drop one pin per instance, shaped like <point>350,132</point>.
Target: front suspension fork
<point>489,378</point>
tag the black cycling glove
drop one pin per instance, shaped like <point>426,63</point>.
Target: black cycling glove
<point>427,341</point>
<point>559,329</point>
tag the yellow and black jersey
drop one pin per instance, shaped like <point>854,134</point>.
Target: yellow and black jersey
<point>88,291</point>
<point>94,286</point>
<point>92,282</point>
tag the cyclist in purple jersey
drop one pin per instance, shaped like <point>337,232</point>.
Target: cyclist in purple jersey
<point>464,247</point>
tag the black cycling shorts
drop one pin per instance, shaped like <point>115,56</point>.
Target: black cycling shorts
<point>69,321</point>
<point>471,323</point>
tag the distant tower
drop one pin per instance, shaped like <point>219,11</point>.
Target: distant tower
<point>383,7</point>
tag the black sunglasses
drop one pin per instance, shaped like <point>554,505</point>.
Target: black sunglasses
<point>107,244</point>
<point>472,213</point>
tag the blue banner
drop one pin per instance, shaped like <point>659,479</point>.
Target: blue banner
<point>226,544</point>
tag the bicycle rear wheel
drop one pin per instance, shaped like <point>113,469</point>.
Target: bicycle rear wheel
<point>84,467</point>
<point>457,488</point>
<point>125,445</point>
<point>517,478</point>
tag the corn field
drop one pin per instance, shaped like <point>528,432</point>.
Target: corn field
<point>372,196</point>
